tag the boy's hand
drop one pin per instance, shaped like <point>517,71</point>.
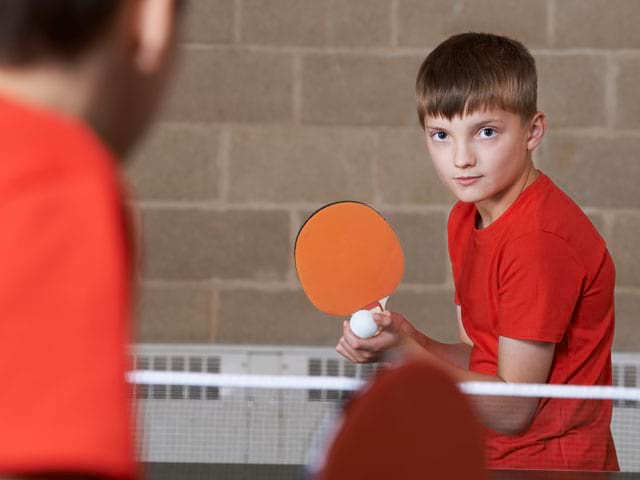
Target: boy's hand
<point>393,333</point>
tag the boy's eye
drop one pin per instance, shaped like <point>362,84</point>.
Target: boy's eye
<point>487,132</point>
<point>439,135</point>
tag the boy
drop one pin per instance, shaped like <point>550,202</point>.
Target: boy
<point>534,281</point>
<point>79,81</point>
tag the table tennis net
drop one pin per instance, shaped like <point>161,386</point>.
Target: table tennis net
<point>230,419</point>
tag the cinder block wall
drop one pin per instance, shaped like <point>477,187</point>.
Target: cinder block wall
<point>281,106</point>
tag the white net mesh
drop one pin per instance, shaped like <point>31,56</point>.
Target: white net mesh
<point>196,421</point>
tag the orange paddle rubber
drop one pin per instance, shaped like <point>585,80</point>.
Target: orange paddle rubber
<point>348,258</point>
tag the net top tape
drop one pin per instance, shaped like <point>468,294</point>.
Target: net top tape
<point>290,382</point>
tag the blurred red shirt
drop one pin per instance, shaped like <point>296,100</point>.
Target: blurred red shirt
<point>64,300</point>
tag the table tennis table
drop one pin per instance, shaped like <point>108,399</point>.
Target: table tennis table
<point>227,471</point>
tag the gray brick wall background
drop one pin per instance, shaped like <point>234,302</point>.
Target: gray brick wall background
<point>281,106</point>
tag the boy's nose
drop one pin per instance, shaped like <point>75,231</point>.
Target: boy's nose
<point>464,157</point>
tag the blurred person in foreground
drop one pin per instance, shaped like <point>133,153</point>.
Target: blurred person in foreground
<point>79,82</point>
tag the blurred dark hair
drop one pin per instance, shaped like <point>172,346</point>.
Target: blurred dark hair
<point>33,29</point>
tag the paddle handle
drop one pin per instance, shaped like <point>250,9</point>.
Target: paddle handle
<point>378,306</point>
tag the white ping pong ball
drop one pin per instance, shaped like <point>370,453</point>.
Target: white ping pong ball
<point>362,324</point>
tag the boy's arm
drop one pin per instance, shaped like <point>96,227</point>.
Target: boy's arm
<point>457,354</point>
<point>519,361</point>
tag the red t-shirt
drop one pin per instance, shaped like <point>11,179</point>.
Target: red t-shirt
<point>541,272</point>
<point>64,300</point>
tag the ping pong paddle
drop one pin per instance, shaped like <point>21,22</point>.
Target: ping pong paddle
<point>410,422</point>
<point>349,261</point>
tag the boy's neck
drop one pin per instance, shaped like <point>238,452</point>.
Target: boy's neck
<point>490,210</point>
<point>57,89</point>
<point>85,91</point>
<point>79,89</point>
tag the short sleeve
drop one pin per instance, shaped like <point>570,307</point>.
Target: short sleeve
<point>540,282</point>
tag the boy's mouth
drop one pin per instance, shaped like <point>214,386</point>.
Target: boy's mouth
<point>466,180</point>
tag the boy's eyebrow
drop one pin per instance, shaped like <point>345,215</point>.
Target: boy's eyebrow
<point>473,127</point>
<point>486,120</point>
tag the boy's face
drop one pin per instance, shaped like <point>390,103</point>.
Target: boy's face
<point>483,157</point>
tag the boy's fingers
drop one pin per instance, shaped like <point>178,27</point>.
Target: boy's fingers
<point>351,338</point>
<point>382,342</point>
<point>340,348</point>
<point>382,319</point>
<point>348,352</point>
<point>367,349</point>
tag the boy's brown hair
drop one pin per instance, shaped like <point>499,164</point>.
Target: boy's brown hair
<point>474,71</point>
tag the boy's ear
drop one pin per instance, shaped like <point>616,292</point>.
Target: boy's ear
<point>153,27</point>
<point>537,127</point>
